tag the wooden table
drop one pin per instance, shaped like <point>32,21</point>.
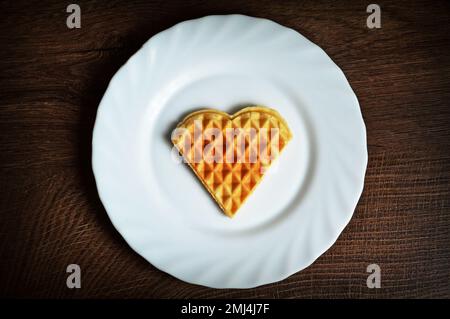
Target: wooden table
<point>52,79</point>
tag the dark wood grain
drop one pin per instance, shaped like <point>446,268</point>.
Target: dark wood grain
<point>53,78</point>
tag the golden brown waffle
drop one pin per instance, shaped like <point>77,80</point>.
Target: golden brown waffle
<point>231,180</point>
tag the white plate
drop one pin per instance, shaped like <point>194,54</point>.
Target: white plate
<point>159,206</point>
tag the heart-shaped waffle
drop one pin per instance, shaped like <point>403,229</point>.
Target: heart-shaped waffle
<point>230,153</point>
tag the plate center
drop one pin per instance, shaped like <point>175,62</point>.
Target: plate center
<point>279,190</point>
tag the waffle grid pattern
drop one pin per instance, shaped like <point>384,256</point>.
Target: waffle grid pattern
<point>232,173</point>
